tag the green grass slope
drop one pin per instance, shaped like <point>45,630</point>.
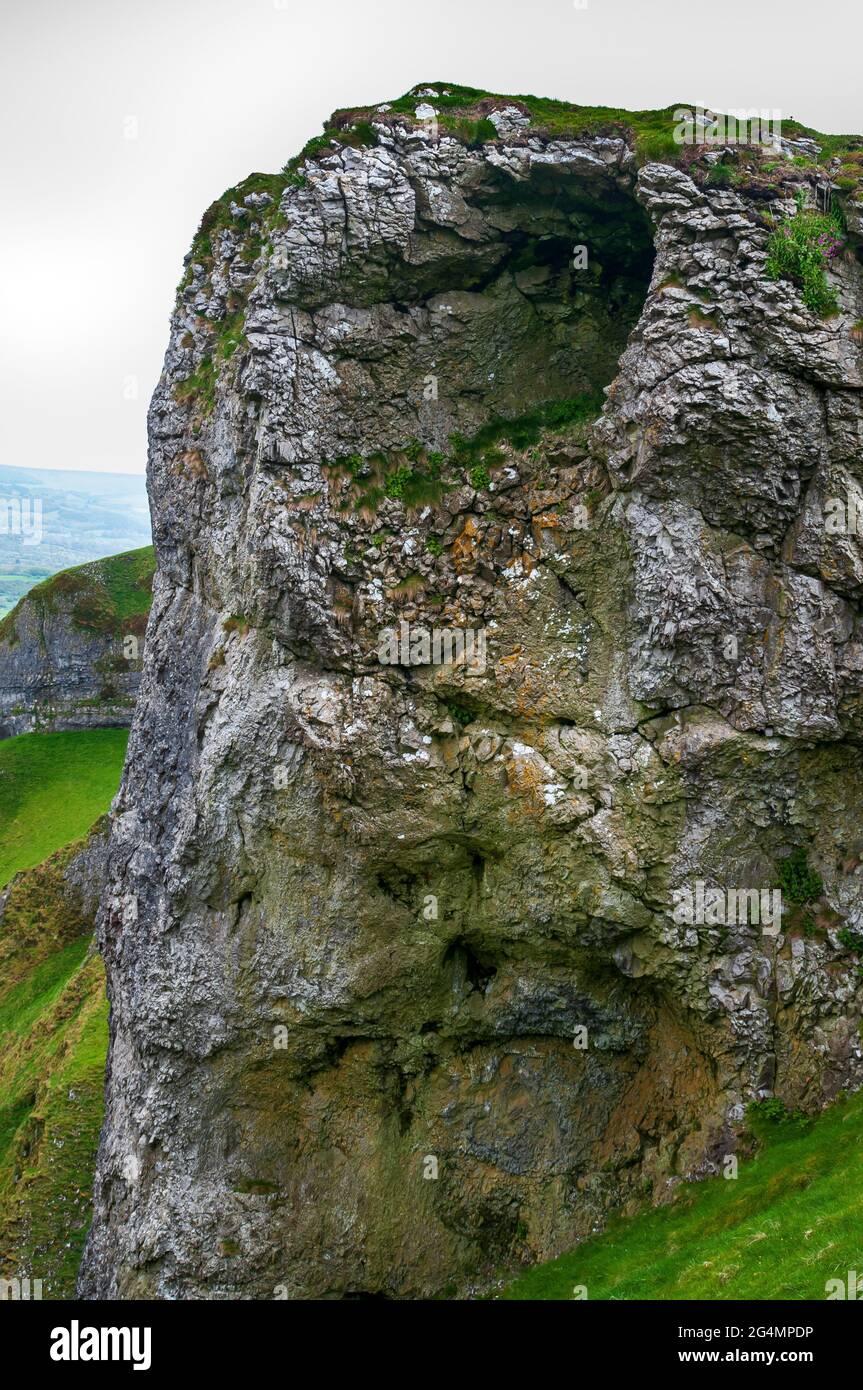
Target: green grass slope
<point>52,788</point>
<point>53,1040</point>
<point>53,1010</point>
<point>790,1221</point>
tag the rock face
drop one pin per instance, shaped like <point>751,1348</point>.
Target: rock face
<point>404,982</point>
<point>71,651</point>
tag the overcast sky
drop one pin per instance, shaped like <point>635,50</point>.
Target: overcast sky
<point>122,121</point>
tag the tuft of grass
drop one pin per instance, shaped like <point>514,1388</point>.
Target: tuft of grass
<point>200,387</point>
<point>52,788</point>
<point>527,429</point>
<point>723,176</point>
<point>787,1224</point>
<point>410,475</point>
<point>798,882</point>
<point>479,476</point>
<point>852,940</point>
<point>801,249</point>
<point>356,134</point>
<point>230,335</point>
<point>461,713</point>
<point>399,482</point>
<point>471,133</point>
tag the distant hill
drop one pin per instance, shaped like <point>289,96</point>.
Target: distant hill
<point>51,519</point>
<point>71,649</point>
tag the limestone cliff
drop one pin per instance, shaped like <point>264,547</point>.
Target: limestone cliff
<point>401,989</point>
<point>71,650</point>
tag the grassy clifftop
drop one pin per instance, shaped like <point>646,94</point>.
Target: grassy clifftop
<point>463,113</point>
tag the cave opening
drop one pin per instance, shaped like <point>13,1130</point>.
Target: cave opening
<point>468,971</point>
<point>578,254</point>
<point>533,307</point>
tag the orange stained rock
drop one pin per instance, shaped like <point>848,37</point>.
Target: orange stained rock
<point>464,547</point>
<point>546,521</point>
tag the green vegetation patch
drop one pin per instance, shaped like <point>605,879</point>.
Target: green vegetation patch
<point>554,417</point>
<point>52,1066</point>
<point>802,248</point>
<point>464,112</point>
<point>412,475</point>
<point>199,388</point>
<point>53,787</point>
<point>798,882</point>
<point>53,1041</point>
<point>418,476</point>
<point>220,217</point>
<point>790,1221</point>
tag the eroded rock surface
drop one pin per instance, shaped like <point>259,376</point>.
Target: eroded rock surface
<point>359,914</point>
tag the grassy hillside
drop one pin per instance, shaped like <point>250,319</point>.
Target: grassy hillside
<point>53,1039</point>
<point>53,1010</point>
<point>790,1221</point>
<point>106,597</point>
<point>52,788</point>
<point>13,586</point>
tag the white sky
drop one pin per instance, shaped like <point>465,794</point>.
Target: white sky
<point>94,225</point>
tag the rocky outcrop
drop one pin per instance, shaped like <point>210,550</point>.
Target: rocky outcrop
<point>417,968</point>
<point>72,648</point>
